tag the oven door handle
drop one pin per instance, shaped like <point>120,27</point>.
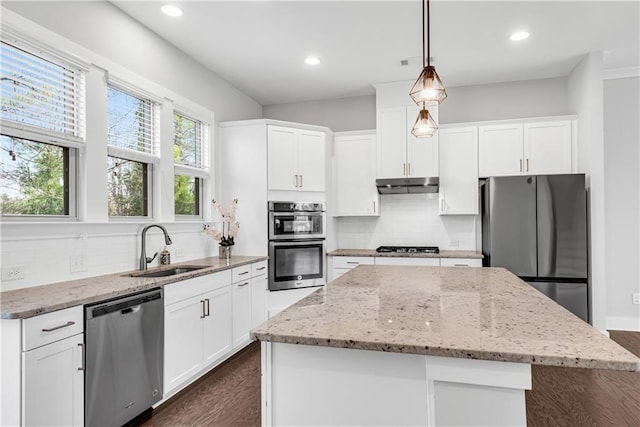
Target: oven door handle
<point>299,242</point>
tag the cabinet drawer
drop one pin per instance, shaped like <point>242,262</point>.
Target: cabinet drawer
<point>50,327</point>
<point>352,261</point>
<point>241,273</point>
<point>180,291</point>
<point>460,262</point>
<point>258,268</point>
<point>429,262</point>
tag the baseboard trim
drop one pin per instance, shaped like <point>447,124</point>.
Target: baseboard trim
<point>619,323</point>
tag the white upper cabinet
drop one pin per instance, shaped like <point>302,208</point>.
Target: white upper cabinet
<point>525,148</point>
<point>400,154</point>
<point>355,175</point>
<point>500,150</point>
<point>458,193</point>
<point>296,159</point>
<point>547,147</point>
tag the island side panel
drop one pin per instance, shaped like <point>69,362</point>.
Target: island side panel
<point>312,385</point>
<point>316,385</point>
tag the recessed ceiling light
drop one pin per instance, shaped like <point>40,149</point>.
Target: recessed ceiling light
<point>520,35</point>
<point>171,10</point>
<point>312,60</point>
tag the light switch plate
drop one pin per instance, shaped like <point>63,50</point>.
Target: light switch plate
<point>636,298</point>
<point>15,272</point>
<point>77,264</point>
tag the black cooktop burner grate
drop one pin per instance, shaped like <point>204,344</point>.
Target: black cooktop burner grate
<point>409,249</point>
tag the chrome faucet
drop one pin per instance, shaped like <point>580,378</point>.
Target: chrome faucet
<point>144,260</point>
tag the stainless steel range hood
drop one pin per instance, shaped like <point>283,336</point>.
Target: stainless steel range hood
<point>407,185</point>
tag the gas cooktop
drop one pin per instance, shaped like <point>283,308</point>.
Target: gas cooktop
<point>409,249</point>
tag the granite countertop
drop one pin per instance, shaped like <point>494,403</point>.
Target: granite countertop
<point>472,313</point>
<point>29,302</point>
<point>372,252</point>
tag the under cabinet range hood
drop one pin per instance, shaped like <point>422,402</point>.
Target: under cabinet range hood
<point>407,185</point>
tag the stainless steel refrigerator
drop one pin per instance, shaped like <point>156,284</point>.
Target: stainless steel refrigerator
<point>536,227</point>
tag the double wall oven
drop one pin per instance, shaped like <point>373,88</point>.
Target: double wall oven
<point>296,245</point>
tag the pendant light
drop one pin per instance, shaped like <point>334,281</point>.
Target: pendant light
<point>428,90</point>
<point>424,125</point>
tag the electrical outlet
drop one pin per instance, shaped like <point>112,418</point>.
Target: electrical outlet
<point>15,272</point>
<point>207,225</point>
<point>636,298</point>
<point>454,243</point>
<point>77,264</point>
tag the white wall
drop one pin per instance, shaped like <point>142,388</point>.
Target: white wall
<point>622,200</point>
<point>585,98</point>
<point>408,219</point>
<point>100,34</point>
<point>355,113</point>
<point>510,100</point>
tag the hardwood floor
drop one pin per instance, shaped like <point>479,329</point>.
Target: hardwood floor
<point>230,395</point>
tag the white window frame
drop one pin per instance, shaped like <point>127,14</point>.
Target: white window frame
<point>75,143</point>
<point>202,173</point>
<point>151,159</point>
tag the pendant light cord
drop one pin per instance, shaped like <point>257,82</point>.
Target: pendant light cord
<point>428,36</point>
<point>423,56</point>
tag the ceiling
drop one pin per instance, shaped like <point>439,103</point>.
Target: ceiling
<point>260,46</point>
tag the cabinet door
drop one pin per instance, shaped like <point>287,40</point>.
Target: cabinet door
<point>392,142</point>
<point>217,324</point>
<point>241,313</point>
<point>422,153</point>
<point>547,147</point>
<point>355,176</point>
<point>459,171</point>
<point>182,341</point>
<point>282,158</point>
<point>53,382</point>
<point>311,160</point>
<point>259,286</point>
<point>500,150</point>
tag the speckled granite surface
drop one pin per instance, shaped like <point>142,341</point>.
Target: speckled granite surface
<point>473,313</point>
<point>29,302</point>
<point>372,252</point>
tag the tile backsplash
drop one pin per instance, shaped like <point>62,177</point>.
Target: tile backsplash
<point>409,219</point>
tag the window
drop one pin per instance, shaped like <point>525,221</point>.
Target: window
<point>42,118</point>
<point>132,145</point>
<point>191,138</point>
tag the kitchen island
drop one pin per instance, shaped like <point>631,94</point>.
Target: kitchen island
<point>386,345</point>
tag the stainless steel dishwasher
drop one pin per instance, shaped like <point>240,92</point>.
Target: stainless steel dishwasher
<point>124,358</point>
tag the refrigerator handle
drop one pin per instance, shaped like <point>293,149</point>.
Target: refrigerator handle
<point>547,236</point>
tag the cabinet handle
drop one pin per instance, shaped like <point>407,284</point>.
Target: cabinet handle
<point>81,368</point>
<point>374,206</point>
<point>301,182</point>
<point>243,273</point>
<point>208,307</point>
<point>295,182</point>
<point>202,307</point>
<point>260,268</point>
<point>69,323</point>
<point>520,165</point>
<point>353,262</point>
<point>409,169</point>
<point>527,168</point>
<point>441,205</point>
<point>461,265</point>
<point>243,284</point>
<point>404,169</point>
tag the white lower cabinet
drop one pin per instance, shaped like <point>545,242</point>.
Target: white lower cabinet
<point>259,289</point>
<point>460,262</point>
<point>53,383</point>
<point>241,312</point>
<point>343,264</point>
<point>217,324</point>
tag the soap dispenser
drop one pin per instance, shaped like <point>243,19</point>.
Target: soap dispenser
<point>165,257</point>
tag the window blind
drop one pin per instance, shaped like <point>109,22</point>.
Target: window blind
<point>40,95</point>
<point>133,122</point>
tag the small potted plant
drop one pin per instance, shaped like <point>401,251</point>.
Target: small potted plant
<point>228,229</point>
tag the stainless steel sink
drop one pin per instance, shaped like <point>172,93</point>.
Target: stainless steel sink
<point>168,272</point>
